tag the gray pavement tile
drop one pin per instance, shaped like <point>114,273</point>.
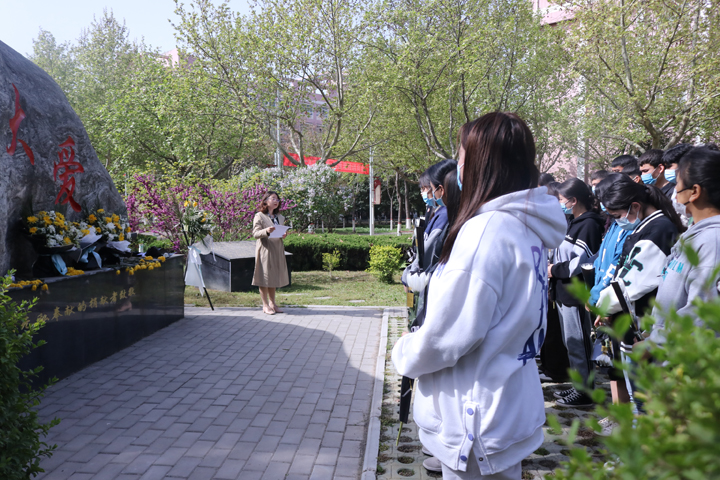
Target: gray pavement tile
<point>230,469</point>
<point>184,467</point>
<point>156,472</point>
<point>202,473</point>
<point>327,456</point>
<point>322,472</point>
<point>258,461</point>
<point>303,464</point>
<point>276,471</point>
<point>215,457</point>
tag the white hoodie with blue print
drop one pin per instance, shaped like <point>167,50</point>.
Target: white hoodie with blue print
<point>478,384</point>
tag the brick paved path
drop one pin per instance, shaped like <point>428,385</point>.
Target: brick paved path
<point>231,394</point>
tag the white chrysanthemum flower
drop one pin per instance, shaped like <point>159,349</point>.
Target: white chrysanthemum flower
<point>110,226</point>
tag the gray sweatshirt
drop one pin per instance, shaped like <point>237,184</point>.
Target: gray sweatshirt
<point>682,282</point>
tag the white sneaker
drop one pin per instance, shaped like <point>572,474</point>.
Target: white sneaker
<point>432,464</point>
<point>607,427</point>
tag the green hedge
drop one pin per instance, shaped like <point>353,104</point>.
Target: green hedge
<point>307,249</point>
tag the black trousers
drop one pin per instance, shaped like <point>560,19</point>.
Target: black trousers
<point>553,354</point>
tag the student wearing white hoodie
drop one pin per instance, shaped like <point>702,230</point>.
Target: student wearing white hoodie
<point>479,404</point>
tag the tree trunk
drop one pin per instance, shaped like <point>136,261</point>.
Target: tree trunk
<point>407,208</point>
<point>399,198</point>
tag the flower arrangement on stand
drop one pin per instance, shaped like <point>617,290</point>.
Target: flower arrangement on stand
<point>197,223</point>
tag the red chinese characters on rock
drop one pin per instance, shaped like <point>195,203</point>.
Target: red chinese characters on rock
<point>15,126</point>
<point>65,170</point>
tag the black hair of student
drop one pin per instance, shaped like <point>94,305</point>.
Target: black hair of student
<point>624,191</point>
<point>577,189</point>
<point>424,180</point>
<point>627,162</point>
<point>599,175</point>
<point>605,183</point>
<point>552,189</point>
<point>674,154</point>
<point>701,166</point>
<point>436,173</point>
<point>652,157</point>
<point>545,179</point>
<point>499,160</point>
<point>452,196</point>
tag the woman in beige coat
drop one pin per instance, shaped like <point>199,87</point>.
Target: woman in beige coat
<point>270,265</point>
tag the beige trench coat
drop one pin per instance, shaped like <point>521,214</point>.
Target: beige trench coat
<point>270,265</point>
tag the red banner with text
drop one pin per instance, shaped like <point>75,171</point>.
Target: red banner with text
<point>344,166</point>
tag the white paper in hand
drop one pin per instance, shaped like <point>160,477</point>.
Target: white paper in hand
<point>279,231</point>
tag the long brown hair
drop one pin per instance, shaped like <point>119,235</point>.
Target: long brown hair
<point>263,203</point>
<point>499,159</point>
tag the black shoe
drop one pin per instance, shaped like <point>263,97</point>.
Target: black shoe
<point>564,393</point>
<point>575,399</point>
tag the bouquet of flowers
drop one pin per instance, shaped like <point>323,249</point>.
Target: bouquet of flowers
<point>51,230</point>
<point>112,227</point>
<point>196,222</point>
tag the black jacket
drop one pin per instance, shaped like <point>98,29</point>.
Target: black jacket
<point>582,241</point>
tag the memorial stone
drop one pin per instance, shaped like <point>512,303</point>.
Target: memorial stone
<point>46,159</point>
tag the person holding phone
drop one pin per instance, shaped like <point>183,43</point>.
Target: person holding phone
<point>270,266</point>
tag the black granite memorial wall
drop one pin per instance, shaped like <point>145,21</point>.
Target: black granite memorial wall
<point>91,316</point>
<point>232,266</point>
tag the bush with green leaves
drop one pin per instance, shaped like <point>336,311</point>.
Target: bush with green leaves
<point>21,448</point>
<point>385,261</point>
<point>331,261</point>
<point>307,249</point>
<point>679,435</point>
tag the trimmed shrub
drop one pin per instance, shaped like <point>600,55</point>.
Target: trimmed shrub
<point>20,429</point>
<point>385,261</point>
<point>331,261</point>
<point>354,250</point>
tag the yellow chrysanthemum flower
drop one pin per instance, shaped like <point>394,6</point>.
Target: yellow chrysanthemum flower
<point>92,218</point>
<point>34,288</point>
<point>33,230</point>
<point>59,216</point>
<point>44,288</point>
<point>97,229</point>
<point>108,219</point>
<point>100,210</point>
<point>32,219</point>
<point>194,204</point>
<point>47,220</point>
<point>115,218</point>
<point>186,203</point>
<point>121,237</point>
<point>128,230</point>
<point>67,241</point>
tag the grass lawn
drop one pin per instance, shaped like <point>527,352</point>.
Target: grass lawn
<point>314,288</point>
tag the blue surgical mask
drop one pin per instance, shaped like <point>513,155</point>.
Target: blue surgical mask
<point>566,210</point>
<point>438,201</point>
<point>626,224</point>
<point>428,201</point>
<point>670,175</point>
<point>593,189</point>
<point>458,177</point>
<point>648,179</point>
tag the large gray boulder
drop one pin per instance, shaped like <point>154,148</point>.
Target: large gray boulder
<point>47,132</point>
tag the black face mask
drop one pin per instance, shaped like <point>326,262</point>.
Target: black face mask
<point>689,188</point>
